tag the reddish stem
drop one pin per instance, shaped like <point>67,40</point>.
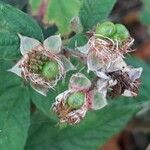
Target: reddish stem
<point>42,9</point>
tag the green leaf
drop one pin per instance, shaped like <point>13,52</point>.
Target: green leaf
<point>144,15</point>
<point>14,112</point>
<point>9,45</point>
<point>62,11</point>
<point>94,11</point>
<point>43,103</point>
<point>77,40</point>
<point>14,21</point>
<point>35,4</point>
<point>92,133</point>
<point>59,12</point>
<point>16,3</point>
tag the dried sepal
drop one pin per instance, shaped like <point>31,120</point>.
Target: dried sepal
<point>117,64</point>
<point>79,81</point>
<point>98,99</point>
<point>16,69</point>
<point>53,44</point>
<point>27,44</point>
<point>135,73</point>
<point>102,75</point>
<point>93,62</point>
<point>83,49</point>
<point>67,65</point>
<point>128,82</point>
<point>40,89</point>
<point>76,24</point>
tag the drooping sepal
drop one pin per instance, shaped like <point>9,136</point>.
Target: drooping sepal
<point>135,73</point>
<point>40,89</point>
<point>83,49</point>
<point>67,65</point>
<point>16,69</point>
<point>98,99</point>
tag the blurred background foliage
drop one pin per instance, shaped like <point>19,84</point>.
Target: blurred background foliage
<point>25,119</point>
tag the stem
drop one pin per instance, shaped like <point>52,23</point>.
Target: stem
<point>42,9</point>
<point>68,51</point>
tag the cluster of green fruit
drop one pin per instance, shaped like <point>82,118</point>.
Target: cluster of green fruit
<point>113,31</point>
<point>42,64</point>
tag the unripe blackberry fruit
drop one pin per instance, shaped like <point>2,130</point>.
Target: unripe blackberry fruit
<point>121,33</point>
<point>50,70</point>
<point>106,29</point>
<point>76,100</point>
<point>34,68</point>
<point>44,58</point>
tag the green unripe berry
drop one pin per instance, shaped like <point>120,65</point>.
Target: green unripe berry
<point>44,58</point>
<point>50,70</point>
<point>76,100</point>
<point>121,33</point>
<point>106,29</point>
<point>40,67</point>
<point>117,37</point>
<point>32,56</point>
<point>34,68</point>
<point>40,62</point>
<point>33,60</point>
<point>38,57</point>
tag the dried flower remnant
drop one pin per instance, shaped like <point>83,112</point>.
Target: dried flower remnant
<point>126,83</point>
<point>71,106</point>
<point>76,25</point>
<point>106,47</point>
<point>42,64</point>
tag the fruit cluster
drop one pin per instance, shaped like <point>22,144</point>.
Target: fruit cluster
<point>116,32</point>
<point>43,65</point>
